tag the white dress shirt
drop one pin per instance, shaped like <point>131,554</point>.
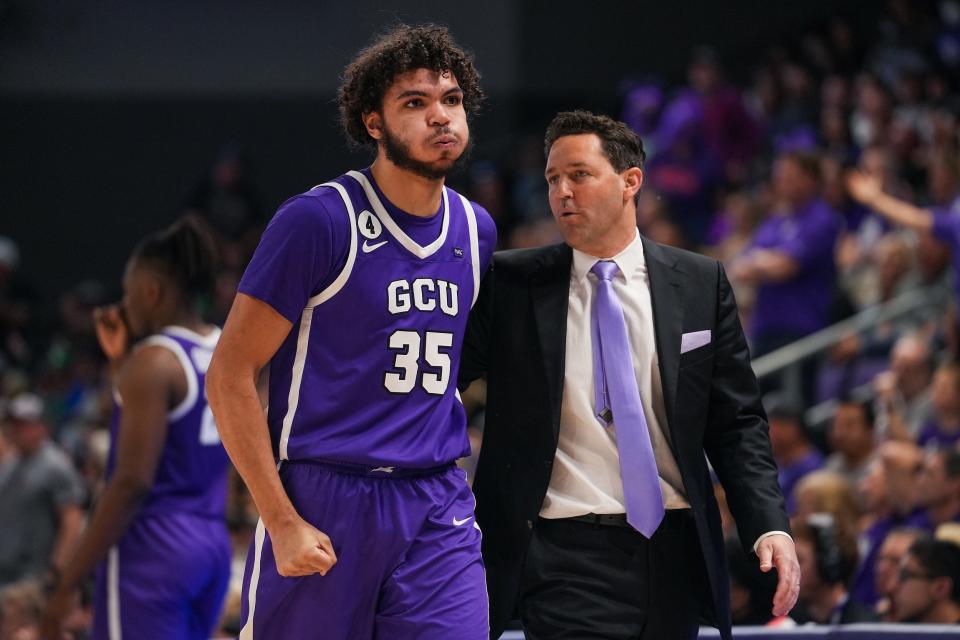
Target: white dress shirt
<point>586,470</point>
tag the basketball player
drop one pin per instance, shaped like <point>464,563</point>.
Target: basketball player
<point>358,297</point>
<point>160,521</point>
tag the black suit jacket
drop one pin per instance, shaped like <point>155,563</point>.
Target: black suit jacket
<point>516,337</point>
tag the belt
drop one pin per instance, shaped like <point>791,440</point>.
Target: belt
<point>606,519</point>
<point>616,519</point>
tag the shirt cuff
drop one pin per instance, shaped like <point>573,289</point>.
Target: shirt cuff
<point>767,535</point>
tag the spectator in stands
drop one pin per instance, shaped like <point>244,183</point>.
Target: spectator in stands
<point>885,509</point>
<point>795,455</point>
<point>903,392</point>
<point>731,132</point>
<point>943,427</point>
<point>887,567</point>
<point>827,558</point>
<point>902,463</point>
<point>928,589</point>
<point>942,219</point>
<point>830,493</point>
<point>864,229</point>
<point>938,487</point>
<point>683,169</point>
<point>733,228</point>
<point>40,497</point>
<point>851,439</point>
<point>791,258</point>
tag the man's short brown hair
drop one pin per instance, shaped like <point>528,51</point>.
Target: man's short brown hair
<point>621,146</point>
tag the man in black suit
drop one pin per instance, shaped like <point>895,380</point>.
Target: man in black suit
<point>566,480</point>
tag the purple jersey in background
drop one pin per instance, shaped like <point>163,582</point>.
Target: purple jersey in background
<point>191,476</point>
<point>166,577</point>
<point>379,301</point>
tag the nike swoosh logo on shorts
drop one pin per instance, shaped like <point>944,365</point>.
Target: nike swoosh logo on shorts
<point>367,247</point>
<point>457,523</point>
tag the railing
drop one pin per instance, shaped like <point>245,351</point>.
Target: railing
<point>787,361</point>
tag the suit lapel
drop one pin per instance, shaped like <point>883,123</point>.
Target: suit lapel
<point>549,292</point>
<point>665,297</point>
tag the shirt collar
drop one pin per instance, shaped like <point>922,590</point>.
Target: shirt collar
<point>630,260</point>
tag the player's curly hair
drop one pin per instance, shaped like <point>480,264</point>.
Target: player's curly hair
<point>402,49</point>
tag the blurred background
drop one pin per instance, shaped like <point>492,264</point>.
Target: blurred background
<point>117,118</point>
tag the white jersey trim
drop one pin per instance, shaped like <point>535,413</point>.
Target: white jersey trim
<point>474,247</point>
<point>293,397</point>
<point>398,233</point>
<point>341,279</point>
<point>246,633</point>
<point>193,384</point>
<point>113,594</point>
<point>306,319</point>
<point>209,341</point>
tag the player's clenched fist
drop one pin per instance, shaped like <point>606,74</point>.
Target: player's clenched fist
<point>300,549</point>
<point>112,329</point>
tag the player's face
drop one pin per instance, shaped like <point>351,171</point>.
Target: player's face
<point>423,124</point>
<point>590,200</point>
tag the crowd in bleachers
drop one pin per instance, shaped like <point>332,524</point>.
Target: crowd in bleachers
<point>748,164</point>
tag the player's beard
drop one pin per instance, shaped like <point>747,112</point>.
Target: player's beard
<point>398,152</point>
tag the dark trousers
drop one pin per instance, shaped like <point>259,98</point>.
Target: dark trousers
<point>591,581</point>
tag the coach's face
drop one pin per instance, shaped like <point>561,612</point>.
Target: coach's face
<point>592,202</point>
<point>422,125</point>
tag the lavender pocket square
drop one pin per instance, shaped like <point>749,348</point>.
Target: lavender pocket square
<point>694,340</point>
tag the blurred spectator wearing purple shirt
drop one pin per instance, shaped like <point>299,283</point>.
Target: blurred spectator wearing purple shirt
<point>791,257</point>
<point>684,170</point>
<point>733,135</point>
<point>795,455</point>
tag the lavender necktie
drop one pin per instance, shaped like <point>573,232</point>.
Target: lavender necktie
<point>618,399</point>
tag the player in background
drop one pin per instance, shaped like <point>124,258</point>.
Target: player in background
<point>158,531</point>
<point>357,297</point>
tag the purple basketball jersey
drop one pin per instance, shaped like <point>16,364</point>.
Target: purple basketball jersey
<point>379,300</point>
<point>166,577</point>
<point>191,476</point>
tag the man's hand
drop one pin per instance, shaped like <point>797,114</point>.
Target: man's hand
<point>863,188</point>
<point>302,550</point>
<point>113,334</point>
<point>778,551</point>
<point>59,606</point>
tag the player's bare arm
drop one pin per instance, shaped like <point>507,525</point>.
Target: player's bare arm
<point>151,381</point>
<point>253,333</point>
